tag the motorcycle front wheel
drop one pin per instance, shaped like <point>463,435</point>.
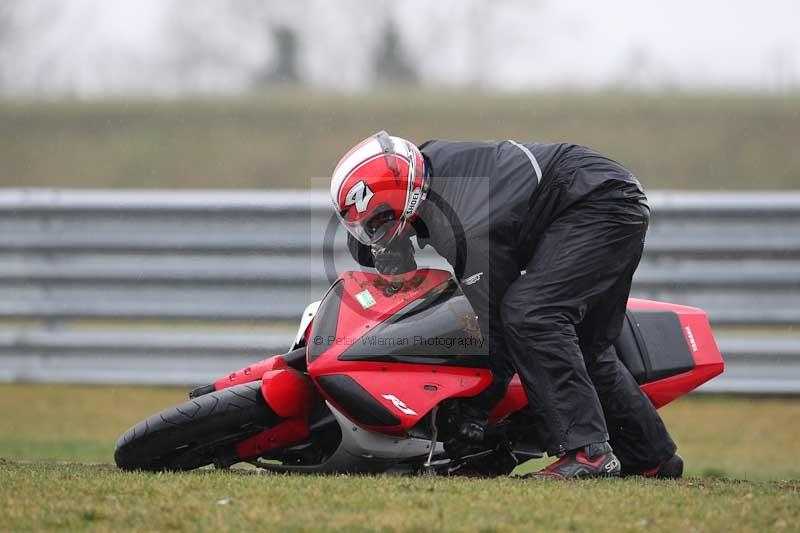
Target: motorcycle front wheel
<point>196,433</point>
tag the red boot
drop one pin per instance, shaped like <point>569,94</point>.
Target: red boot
<point>672,468</point>
<point>594,460</point>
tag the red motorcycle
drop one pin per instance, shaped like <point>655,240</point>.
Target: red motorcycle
<point>373,380</point>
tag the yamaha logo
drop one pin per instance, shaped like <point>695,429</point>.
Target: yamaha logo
<point>690,336</point>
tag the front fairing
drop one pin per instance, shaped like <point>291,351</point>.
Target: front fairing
<point>386,353</point>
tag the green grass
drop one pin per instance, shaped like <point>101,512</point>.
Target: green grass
<point>71,422</point>
<point>737,437</point>
<point>46,429</point>
<point>70,496</point>
<point>284,138</point>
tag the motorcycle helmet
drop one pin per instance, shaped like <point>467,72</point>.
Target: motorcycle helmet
<point>377,188</point>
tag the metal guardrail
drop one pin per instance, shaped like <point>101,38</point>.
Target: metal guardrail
<point>180,287</point>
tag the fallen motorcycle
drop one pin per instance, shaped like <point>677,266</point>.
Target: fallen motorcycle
<point>373,380</point>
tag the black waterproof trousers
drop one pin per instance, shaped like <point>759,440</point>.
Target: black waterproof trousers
<point>560,319</point>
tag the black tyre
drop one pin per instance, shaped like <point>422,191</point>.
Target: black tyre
<point>196,433</point>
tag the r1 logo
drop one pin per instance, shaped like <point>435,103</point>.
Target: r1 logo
<point>400,404</point>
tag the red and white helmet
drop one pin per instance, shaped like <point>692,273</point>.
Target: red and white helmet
<point>377,188</point>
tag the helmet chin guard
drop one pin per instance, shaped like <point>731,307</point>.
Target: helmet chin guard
<point>377,188</point>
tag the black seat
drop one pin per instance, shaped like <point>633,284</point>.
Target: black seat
<point>652,346</point>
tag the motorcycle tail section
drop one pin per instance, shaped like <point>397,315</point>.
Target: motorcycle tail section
<point>669,349</point>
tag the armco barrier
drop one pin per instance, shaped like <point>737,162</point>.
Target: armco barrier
<point>180,287</point>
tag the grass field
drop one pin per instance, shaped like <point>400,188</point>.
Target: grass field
<point>740,454</point>
<point>285,138</point>
<point>37,496</point>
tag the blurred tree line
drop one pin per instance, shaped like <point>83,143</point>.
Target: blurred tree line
<point>91,48</point>
<point>278,33</point>
<point>260,41</point>
<point>70,47</point>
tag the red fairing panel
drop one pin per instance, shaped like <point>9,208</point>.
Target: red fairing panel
<point>514,400</point>
<point>356,320</point>
<point>251,373</point>
<point>408,391</point>
<point>285,434</point>
<point>289,394</point>
<point>700,340</point>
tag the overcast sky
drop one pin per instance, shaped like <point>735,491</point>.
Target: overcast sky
<point>96,47</point>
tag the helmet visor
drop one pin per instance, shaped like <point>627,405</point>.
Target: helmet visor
<point>378,229</point>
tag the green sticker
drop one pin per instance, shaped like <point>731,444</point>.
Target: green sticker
<point>365,299</point>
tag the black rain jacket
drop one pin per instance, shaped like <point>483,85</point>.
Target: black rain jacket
<point>488,202</point>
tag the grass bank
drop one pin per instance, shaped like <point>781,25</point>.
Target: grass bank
<point>70,496</point>
<point>284,138</point>
<point>44,428</point>
<point>718,436</point>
